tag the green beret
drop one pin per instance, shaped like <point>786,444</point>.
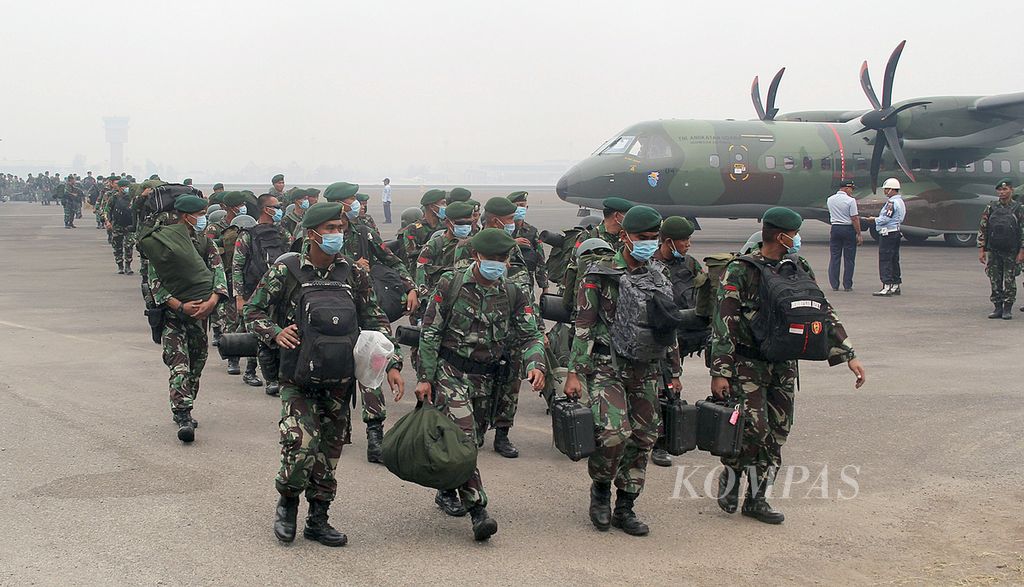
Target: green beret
<point>517,197</point>
<point>1006,181</point>
<point>676,228</point>
<point>293,194</point>
<point>189,204</point>
<point>217,197</point>
<point>313,192</point>
<point>113,177</point>
<point>154,176</point>
<point>783,218</point>
<point>250,199</point>
<point>499,207</point>
<point>458,211</point>
<point>432,197</point>
<point>187,181</point>
<point>476,205</point>
<point>617,204</point>
<point>492,241</point>
<point>459,195</point>
<point>218,186</point>
<point>363,197</point>
<point>340,190</point>
<point>321,212</point>
<point>277,178</point>
<point>641,219</point>
<point>123,183</point>
<point>233,199</point>
<point>410,215</point>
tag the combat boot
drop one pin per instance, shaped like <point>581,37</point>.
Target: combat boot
<point>273,388</point>
<point>120,268</point>
<point>250,378</point>
<point>755,505</point>
<point>660,456</point>
<point>317,527</point>
<point>233,368</point>
<point>729,489</point>
<point>374,436</point>
<point>186,428</point>
<point>449,502</point>
<point>624,518</point>
<point>997,313</point>
<point>600,505</point>
<point>284,519</point>
<point>128,268</point>
<point>1008,311</point>
<point>503,446</point>
<point>216,335</point>
<point>484,526</point>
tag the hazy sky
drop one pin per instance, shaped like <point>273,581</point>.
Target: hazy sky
<point>380,86</point>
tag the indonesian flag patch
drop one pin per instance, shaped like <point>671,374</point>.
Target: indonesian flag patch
<point>796,329</point>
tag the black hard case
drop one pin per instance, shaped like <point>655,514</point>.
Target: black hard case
<point>679,420</point>
<point>572,425</point>
<point>715,432</point>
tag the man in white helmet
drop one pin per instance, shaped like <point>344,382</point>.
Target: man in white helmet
<point>888,223</point>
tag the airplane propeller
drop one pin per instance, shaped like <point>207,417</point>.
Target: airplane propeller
<point>768,111</point>
<point>883,119</point>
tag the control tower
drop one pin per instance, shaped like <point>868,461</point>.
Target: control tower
<point>117,136</point>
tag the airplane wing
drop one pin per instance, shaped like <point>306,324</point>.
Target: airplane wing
<point>1008,105</point>
<point>998,120</point>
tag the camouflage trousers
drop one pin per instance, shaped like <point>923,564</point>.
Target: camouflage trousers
<point>374,409</point>
<point>506,402</point>
<point>627,418</point>
<point>184,351</point>
<point>1002,270</point>
<point>764,392</point>
<point>71,211</point>
<point>225,316</point>
<point>122,240</point>
<point>314,425</point>
<point>466,399</point>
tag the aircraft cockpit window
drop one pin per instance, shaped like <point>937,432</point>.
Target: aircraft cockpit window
<point>769,162</point>
<point>986,166</point>
<point>1004,166</point>
<point>651,147</point>
<point>714,161</point>
<point>618,146</point>
<point>826,163</point>
<point>788,162</point>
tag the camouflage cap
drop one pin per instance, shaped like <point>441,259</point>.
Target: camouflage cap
<point>617,204</point>
<point>1005,182</point>
<point>432,197</point>
<point>321,212</point>
<point>189,204</point>
<point>782,217</point>
<point>676,228</point>
<point>458,211</point>
<point>517,197</point>
<point>499,206</point>
<point>492,242</point>
<point>339,191</point>
<point>459,195</point>
<point>641,219</point>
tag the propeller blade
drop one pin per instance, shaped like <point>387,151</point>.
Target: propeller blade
<point>876,160</point>
<point>890,75</point>
<point>755,95</point>
<point>865,82</point>
<point>905,107</point>
<point>893,138</point>
<point>773,89</point>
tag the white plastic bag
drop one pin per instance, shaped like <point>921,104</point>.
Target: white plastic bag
<point>372,354</point>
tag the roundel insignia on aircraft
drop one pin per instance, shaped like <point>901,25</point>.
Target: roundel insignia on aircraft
<point>652,179</point>
<point>739,167</point>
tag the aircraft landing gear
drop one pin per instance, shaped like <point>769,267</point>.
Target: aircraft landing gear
<point>961,239</point>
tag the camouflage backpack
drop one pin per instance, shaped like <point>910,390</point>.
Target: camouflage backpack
<point>637,333</point>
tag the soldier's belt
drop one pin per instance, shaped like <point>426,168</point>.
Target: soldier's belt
<point>467,366</point>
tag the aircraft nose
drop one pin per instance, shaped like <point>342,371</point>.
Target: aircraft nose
<point>562,187</point>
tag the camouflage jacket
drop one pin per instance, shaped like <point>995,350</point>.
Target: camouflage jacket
<point>436,258</point>
<point>272,305</point>
<point>241,257</point>
<point>679,271</point>
<point>289,223</point>
<point>599,231</point>
<point>983,229</point>
<point>738,301</point>
<point>517,270</point>
<point>368,220</point>
<point>530,233</point>
<point>376,250</point>
<point>72,195</point>
<point>484,324</point>
<point>416,236</point>
<point>106,203</point>
<point>213,261</point>
<point>595,313</point>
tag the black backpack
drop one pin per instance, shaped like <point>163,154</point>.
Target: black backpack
<point>328,324</point>
<point>388,284</point>
<point>1003,233</point>
<point>121,214</point>
<point>267,243</point>
<point>793,319</point>
<point>163,196</point>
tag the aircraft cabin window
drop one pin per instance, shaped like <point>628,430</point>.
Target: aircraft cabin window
<point>986,166</point>
<point>915,164</point>
<point>969,168</point>
<point>934,164</point>
<point>1020,166</point>
<point>714,161</point>
<point>951,166</point>
<point>788,162</point>
<point>808,164</point>
<point>826,163</point>
<point>618,146</point>
<point>861,164</point>
<point>1004,166</point>
<point>769,162</point>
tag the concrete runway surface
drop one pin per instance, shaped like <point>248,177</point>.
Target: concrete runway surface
<point>96,489</point>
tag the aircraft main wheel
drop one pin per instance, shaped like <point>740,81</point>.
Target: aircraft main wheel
<point>874,233</point>
<point>961,239</point>
<point>915,238</point>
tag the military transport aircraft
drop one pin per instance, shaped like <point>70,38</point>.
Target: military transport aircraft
<point>948,152</point>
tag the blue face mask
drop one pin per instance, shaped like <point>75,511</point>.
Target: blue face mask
<point>796,245</point>
<point>520,214</point>
<point>462,230</point>
<point>331,243</point>
<point>643,250</point>
<point>304,204</point>
<point>441,213</point>
<point>492,270</point>
<point>278,215</point>
<point>677,254</point>
<point>510,228</point>
<point>353,212</point>
<point>201,223</point>
<point>242,209</point>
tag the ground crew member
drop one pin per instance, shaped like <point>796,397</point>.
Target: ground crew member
<point>315,424</point>
<point>385,198</point>
<point>462,341</point>
<point>888,223</point>
<point>845,235</point>
<point>762,389</point>
<point>623,391</point>
<point>1001,248</point>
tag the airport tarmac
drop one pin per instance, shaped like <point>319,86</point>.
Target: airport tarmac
<point>914,479</point>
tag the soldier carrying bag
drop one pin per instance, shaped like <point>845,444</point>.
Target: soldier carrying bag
<point>1003,232</point>
<point>572,427</point>
<point>719,427</point>
<point>266,245</point>
<point>388,284</point>
<point>679,419</point>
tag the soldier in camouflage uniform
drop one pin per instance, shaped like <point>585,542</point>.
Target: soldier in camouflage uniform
<point>110,188</point>
<point>184,335</point>
<point>364,215</point>
<point>1002,266</point>
<point>528,238</point>
<point>438,255</point>
<point>409,217</point>
<point>71,197</point>
<point>418,233</point>
<point>120,223</point>
<point>762,389</point>
<point>293,219</point>
<point>609,231</point>
<point>315,425</point>
<point>623,391</point>
<point>463,339</point>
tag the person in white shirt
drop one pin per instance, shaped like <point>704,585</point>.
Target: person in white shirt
<point>385,197</point>
<point>845,236</point>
